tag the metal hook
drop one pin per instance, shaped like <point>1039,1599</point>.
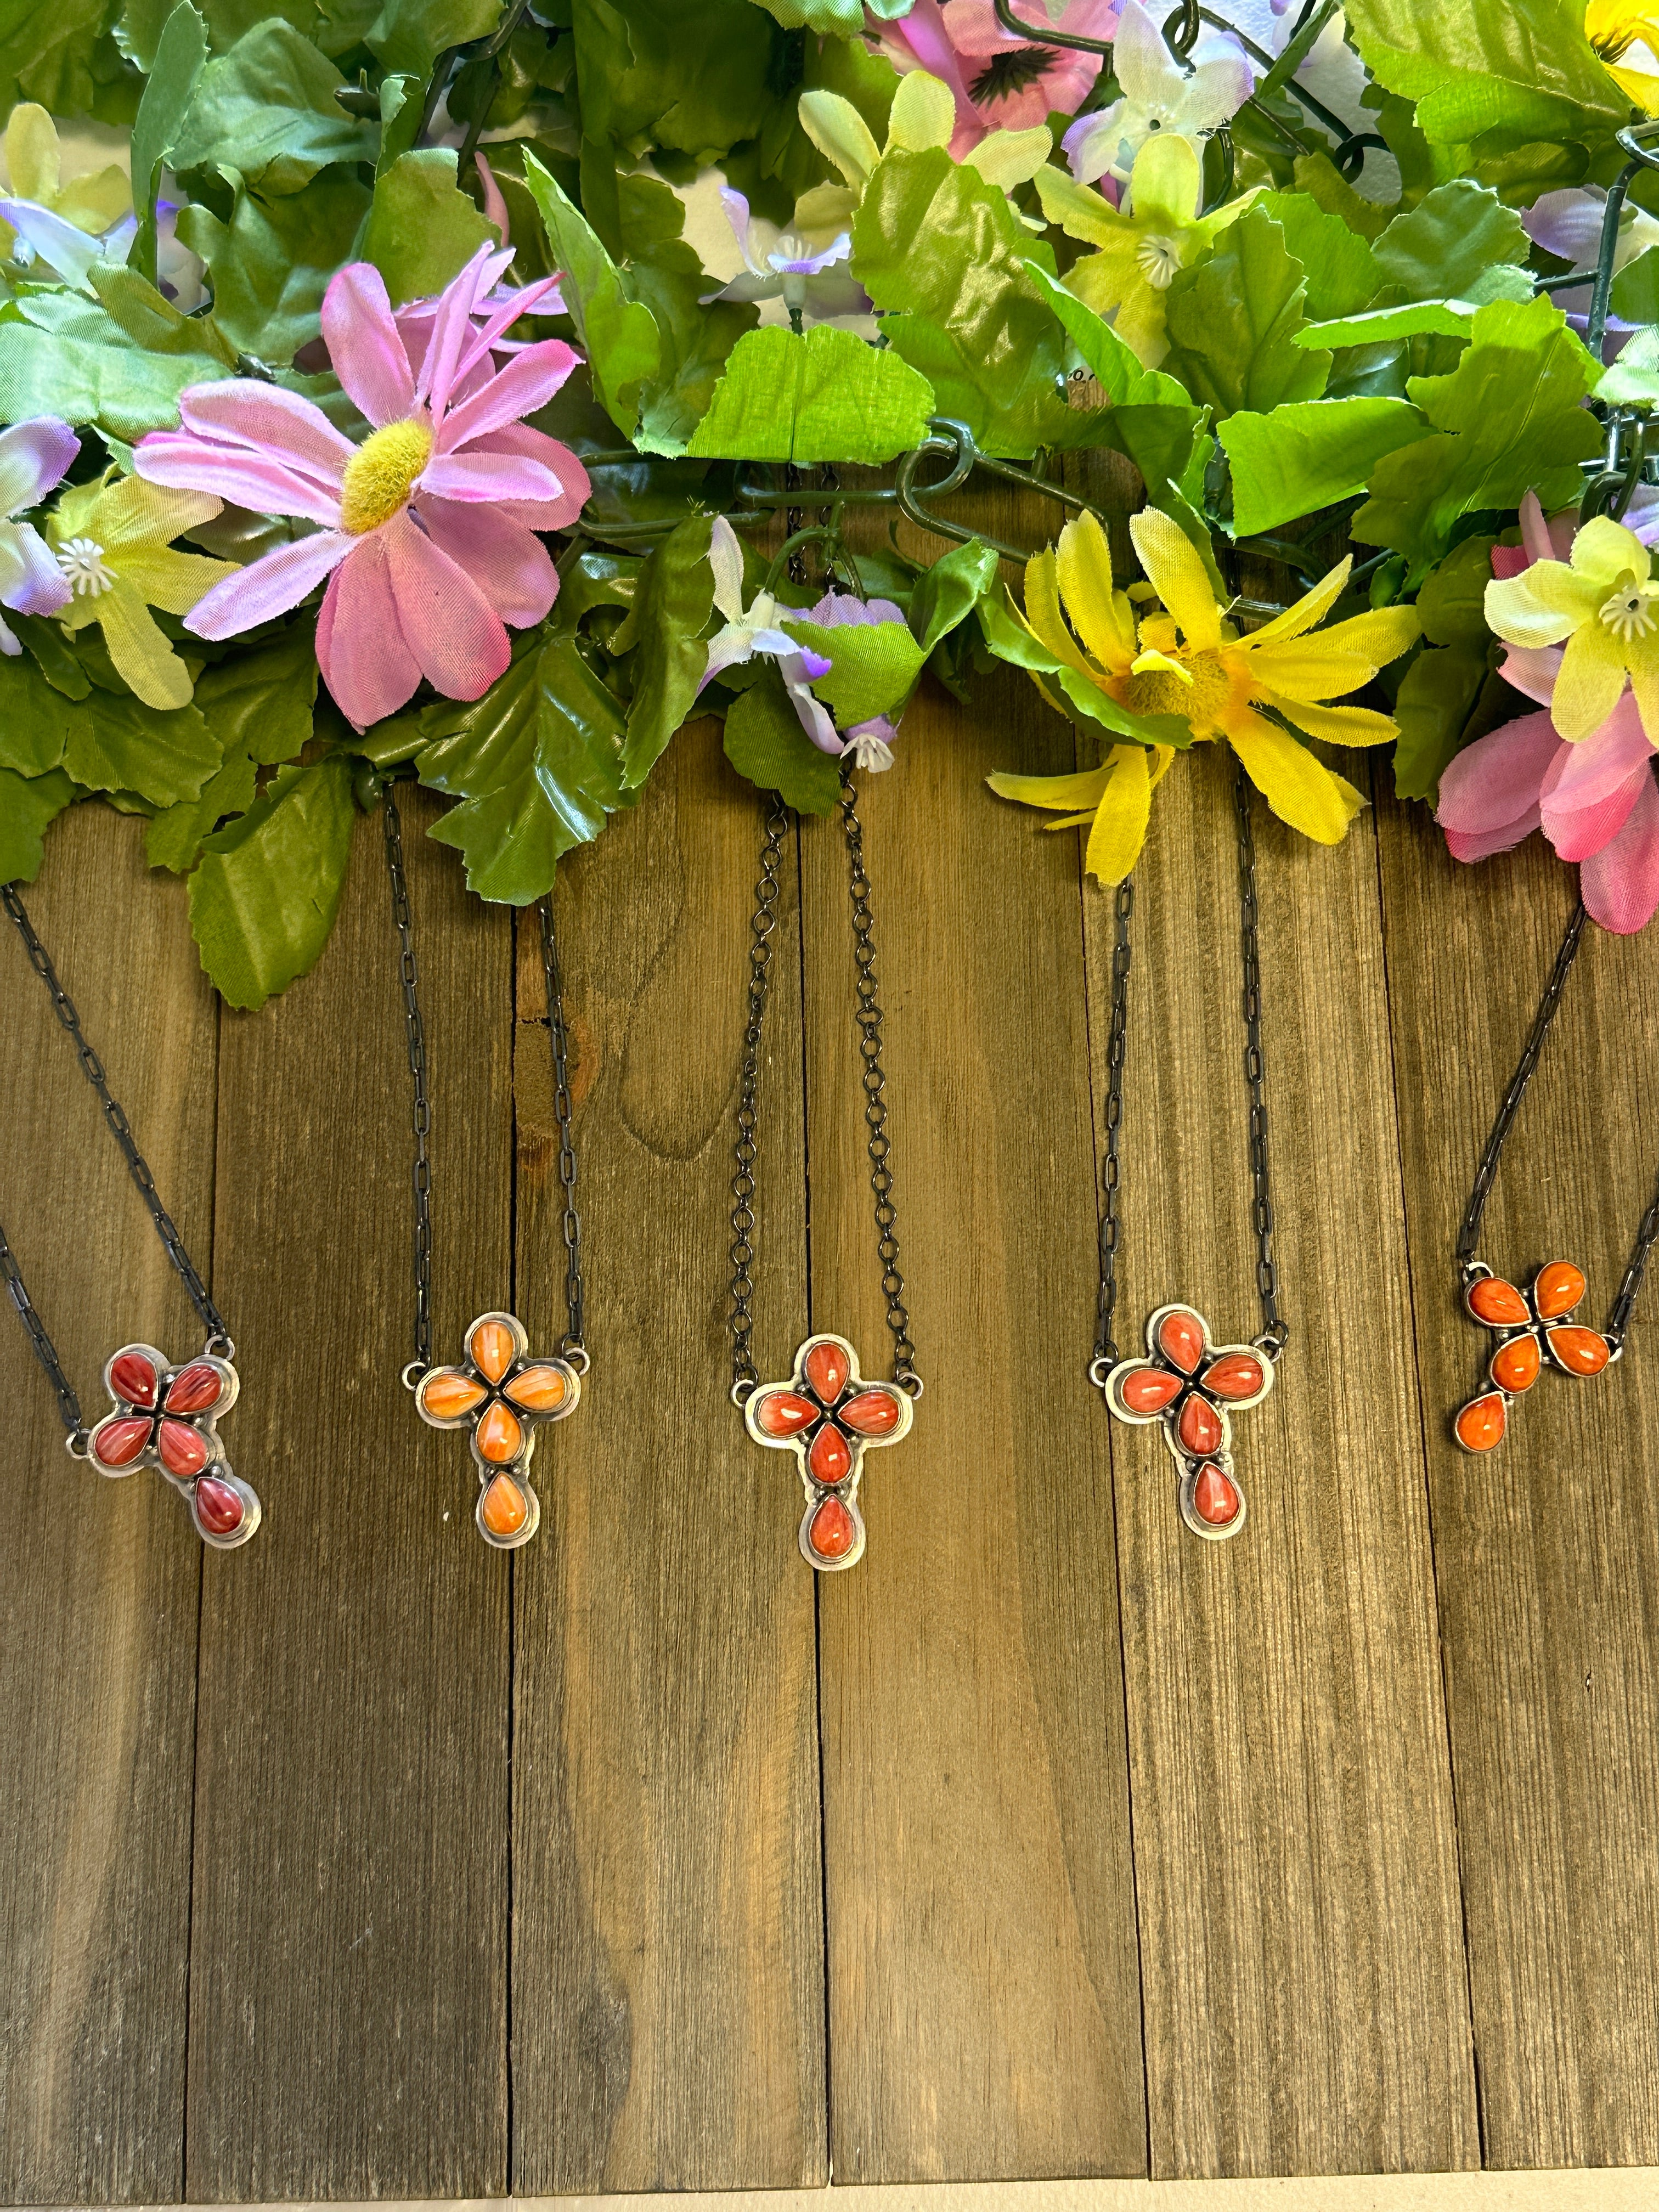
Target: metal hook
<point>948,436</point>
<point>1640,158</point>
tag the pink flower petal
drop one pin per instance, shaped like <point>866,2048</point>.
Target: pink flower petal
<point>452,327</point>
<point>34,456</point>
<point>508,564</point>
<point>1620,884</point>
<point>494,206</point>
<point>364,348</point>
<point>482,474</point>
<point>269,586</point>
<point>241,411</point>
<point>1489,793</point>
<point>454,633</point>
<point>263,481</point>
<point>1591,787</point>
<point>506,308</point>
<point>1531,670</point>
<point>922,42</point>
<point>528,381</point>
<point>360,651</point>
<point>30,578</point>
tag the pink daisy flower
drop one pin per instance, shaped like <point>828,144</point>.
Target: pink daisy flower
<point>426,529</point>
<point>1000,80</point>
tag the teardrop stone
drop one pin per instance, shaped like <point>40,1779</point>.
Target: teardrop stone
<point>218,1507</point>
<point>501,1435</point>
<point>194,1388</point>
<point>505,1509</point>
<point>1496,1303</point>
<point>1558,1290</point>
<point>832,1530</point>
<point>1215,1496</point>
<point>448,1395</point>
<point>871,1413</point>
<point>1180,1340</point>
<point>118,1443</point>
<point>827,1370</point>
<point>1580,1351</point>
<point>1235,1375</point>
<point>1515,1364</point>
<point>1481,1423</point>
<point>829,1457</point>
<point>537,1390</point>
<point>1148,1389</point>
<point>132,1376</point>
<point>784,1413</point>
<point>184,1452</point>
<point>491,1348</point>
<point>1199,1427</point>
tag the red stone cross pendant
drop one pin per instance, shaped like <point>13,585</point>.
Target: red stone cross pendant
<point>167,1418</point>
<point>1194,1387</point>
<point>1529,1327</point>
<point>829,1417</point>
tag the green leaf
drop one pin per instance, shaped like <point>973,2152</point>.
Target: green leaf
<point>1232,318</point>
<point>264,895</point>
<point>409,35</point>
<point>1452,603</point>
<point>116,743</point>
<point>765,742</point>
<point>271,263</point>
<point>421,229</point>
<point>180,54</point>
<point>1012,641</point>
<point>672,604</point>
<point>1509,423</point>
<point>1437,693</point>
<point>618,335</point>
<point>1441,248</point>
<point>261,701</point>
<point>872,666</point>
<point>1635,375</point>
<point>1301,457</point>
<point>1473,68</point>
<point>1635,295</point>
<point>1318,177</point>
<point>844,18</point>
<point>173,839</point>
<point>49,651</point>
<point>35,718</point>
<point>947,593</point>
<point>1151,418</point>
<point>147,319</point>
<point>537,764</point>
<point>27,804</point>
<point>46,52</point>
<point>666,275</point>
<point>697,80</point>
<point>825,396</point>
<point>86,369</point>
<point>267,111</point>
<point>1340,268</point>
<point>932,241</point>
<point>1448,318</point>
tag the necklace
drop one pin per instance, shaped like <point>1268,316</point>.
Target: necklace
<point>161,1415</point>
<point>1528,1327</point>
<point>824,1412</point>
<point>499,1392</point>
<point>1189,1384</point>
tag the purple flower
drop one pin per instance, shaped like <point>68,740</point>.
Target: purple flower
<point>781,264</point>
<point>870,742</point>
<point>34,456</point>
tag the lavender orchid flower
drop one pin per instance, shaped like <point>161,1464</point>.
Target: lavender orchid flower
<point>754,631</point>
<point>781,264</point>
<point>34,456</point>
<point>1159,99</point>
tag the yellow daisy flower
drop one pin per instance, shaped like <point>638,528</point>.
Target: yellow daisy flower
<point>1141,250</point>
<point>1185,658</point>
<point>1616,28</point>
<point>114,543</point>
<point>1603,605</point>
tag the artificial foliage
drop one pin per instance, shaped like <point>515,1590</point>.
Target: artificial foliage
<point>376,414</point>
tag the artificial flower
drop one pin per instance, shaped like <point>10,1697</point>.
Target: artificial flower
<point>1128,279</point>
<point>753,630</point>
<point>34,456</point>
<point>997,81</point>
<point>923,116</point>
<point>1600,604</point>
<point>114,543</point>
<point>427,532</point>
<point>1568,224</point>
<point>1159,97</point>
<point>57,221</point>
<point>781,265</point>
<point>868,745</point>
<point>1187,659</point>
<point>1626,42</point>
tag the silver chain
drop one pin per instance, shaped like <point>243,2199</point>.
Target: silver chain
<point>572,1347</point>
<point>218,1336</point>
<point>741,1320</point>
<point>1106,1352</point>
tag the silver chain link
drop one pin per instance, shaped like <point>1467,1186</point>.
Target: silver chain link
<point>741,1320</point>
<point>572,1347</point>
<point>1106,1352</point>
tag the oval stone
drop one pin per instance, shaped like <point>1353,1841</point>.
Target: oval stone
<point>1515,1364</point>
<point>504,1508</point>
<point>784,1413</point>
<point>1180,1340</point>
<point>1148,1389</point>
<point>218,1507</point>
<point>1235,1375</point>
<point>1215,1496</point>
<point>501,1436</point>
<point>1558,1290</point>
<point>1496,1303</point>
<point>448,1395</point>
<point>492,1348</point>
<point>119,1442</point>
<point>827,1370</point>
<point>133,1376</point>
<point>832,1530</point>
<point>829,1456</point>
<point>194,1388</point>
<point>1199,1428</point>
<point>537,1390</point>
<point>1580,1351</point>
<point>1481,1423</point>
<point>871,1413</point>
<point>184,1452</point>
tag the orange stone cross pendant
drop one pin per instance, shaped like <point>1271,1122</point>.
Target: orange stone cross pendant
<point>1529,1327</point>
<point>500,1396</point>
<point>1194,1387</point>
<point>828,1416</point>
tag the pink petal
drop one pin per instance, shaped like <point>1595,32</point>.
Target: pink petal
<point>506,308</point>
<point>270,586</point>
<point>536,445</point>
<point>239,473</point>
<point>1534,530</point>
<point>360,651</point>
<point>1620,884</point>
<point>452,327</point>
<point>34,456</point>
<point>482,474</point>
<point>528,381</point>
<point>265,418</point>
<point>1531,670</point>
<point>364,348</point>
<point>1489,793</point>
<point>1591,787</point>
<point>508,564</point>
<point>450,627</point>
<point>929,43</point>
<point>494,206</point>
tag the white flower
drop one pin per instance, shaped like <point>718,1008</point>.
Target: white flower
<point>780,265</point>
<point>754,629</point>
<point>1159,99</point>
<point>868,745</point>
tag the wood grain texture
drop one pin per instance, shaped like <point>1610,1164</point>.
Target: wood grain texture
<point>98,1611</point>
<point>984,2005</point>
<point>668,1992</point>
<point>1296,1854</point>
<point>348,2030</point>
<point>1547,1553</point>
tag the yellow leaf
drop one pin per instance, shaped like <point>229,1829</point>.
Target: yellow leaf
<point>1300,790</point>
<point>140,651</point>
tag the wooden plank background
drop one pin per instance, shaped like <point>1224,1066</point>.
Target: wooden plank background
<point>1048,1842</point>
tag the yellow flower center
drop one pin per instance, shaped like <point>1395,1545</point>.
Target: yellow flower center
<point>1627,613</point>
<point>1161,691</point>
<point>380,475</point>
